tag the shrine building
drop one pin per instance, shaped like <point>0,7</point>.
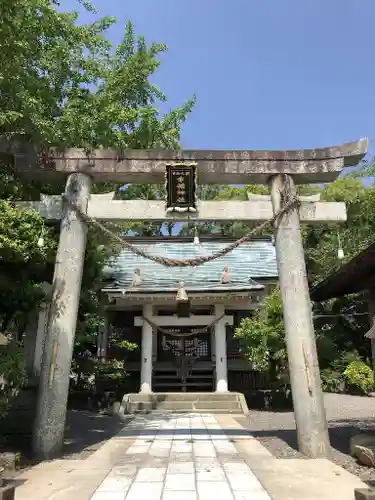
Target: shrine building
<point>183,319</point>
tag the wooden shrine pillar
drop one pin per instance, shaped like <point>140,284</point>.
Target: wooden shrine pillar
<point>57,355</point>
<point>102,340</point>
<point>221,350</point>
<point>146,351</point>
<point>312,429</point>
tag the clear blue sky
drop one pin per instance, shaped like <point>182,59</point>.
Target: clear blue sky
<point>267,74</point>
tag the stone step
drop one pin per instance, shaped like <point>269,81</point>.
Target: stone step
<point>188,406</point>
<point>185,396</point>
<point>173,370</point>
<point>175,377</point>
<point>179,402</point>
<point>213,411</point>
<point>188,384</point>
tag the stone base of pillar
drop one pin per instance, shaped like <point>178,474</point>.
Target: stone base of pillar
<point>145,389</point>
<point>7,490</point>
<point>222,386</point>
<point>364,494</point>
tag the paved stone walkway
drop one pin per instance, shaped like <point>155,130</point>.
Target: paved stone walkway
<point>181,458</point>
<point>185,457</point>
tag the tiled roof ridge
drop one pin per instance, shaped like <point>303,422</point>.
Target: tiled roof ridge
<point>252,261</point>
<point>189,239</point>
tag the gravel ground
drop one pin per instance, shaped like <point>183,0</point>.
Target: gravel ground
<point>347,416</point>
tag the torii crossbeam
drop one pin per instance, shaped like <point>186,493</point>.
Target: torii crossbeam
<point>307,166</point>
<point>103,208</point>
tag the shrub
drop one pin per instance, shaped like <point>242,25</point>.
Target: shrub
<point>332,380</point>
<point>263,337</point>
<point>359,377</point>
<point>340,364</point>
<point>111,376</point>
<point>13,374</point>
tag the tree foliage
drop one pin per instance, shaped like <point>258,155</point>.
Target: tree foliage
<point>63,85</point>
<point>263,334</point>
<point>340,323</point>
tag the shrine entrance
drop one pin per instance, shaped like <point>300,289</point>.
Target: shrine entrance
<point>282,210</point>
<point>184,360</point>
<point>189,345</point>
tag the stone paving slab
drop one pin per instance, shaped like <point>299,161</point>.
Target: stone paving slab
<point>318,479</point>
<point>186,457</point>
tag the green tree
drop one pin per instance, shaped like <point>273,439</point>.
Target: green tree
<point>339,323</point>
<point>62,85</point>
<point>263,337</point>
<point>321,241</point>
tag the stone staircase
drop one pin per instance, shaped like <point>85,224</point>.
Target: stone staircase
<point>167,380</point>
<point>185,402</point>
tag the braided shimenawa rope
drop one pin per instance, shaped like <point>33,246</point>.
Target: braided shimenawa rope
<point>197,261</point>
<point>169,331</point>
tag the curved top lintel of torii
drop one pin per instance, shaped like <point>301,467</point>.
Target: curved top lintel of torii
<point>214,166</point>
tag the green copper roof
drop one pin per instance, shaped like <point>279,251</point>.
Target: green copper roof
<point>249,262</point>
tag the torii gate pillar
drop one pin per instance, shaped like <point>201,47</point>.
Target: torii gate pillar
<point>49,425</point>
<point>312,430</point>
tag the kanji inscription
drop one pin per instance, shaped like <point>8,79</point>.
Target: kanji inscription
<point>181,187</point>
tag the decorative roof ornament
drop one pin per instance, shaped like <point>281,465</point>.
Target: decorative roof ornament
<point>181,187</point>
<point>181,293</point>
<point>137,280</point>
<point>225,278</point>
<point>255,283</point>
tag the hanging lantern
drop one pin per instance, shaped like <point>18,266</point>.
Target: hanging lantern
<point>183,302</point>
<point>180,186</point>
<point>181,294</point>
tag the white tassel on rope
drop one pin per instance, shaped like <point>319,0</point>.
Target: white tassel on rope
<point>196,237</point>
<point>41,239</point>
<point>340,251</point>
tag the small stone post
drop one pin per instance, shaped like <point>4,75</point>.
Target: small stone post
<point>58,349</point>
<point>307,394</point>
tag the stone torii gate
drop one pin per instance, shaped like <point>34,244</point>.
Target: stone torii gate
<point>282,170</point>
